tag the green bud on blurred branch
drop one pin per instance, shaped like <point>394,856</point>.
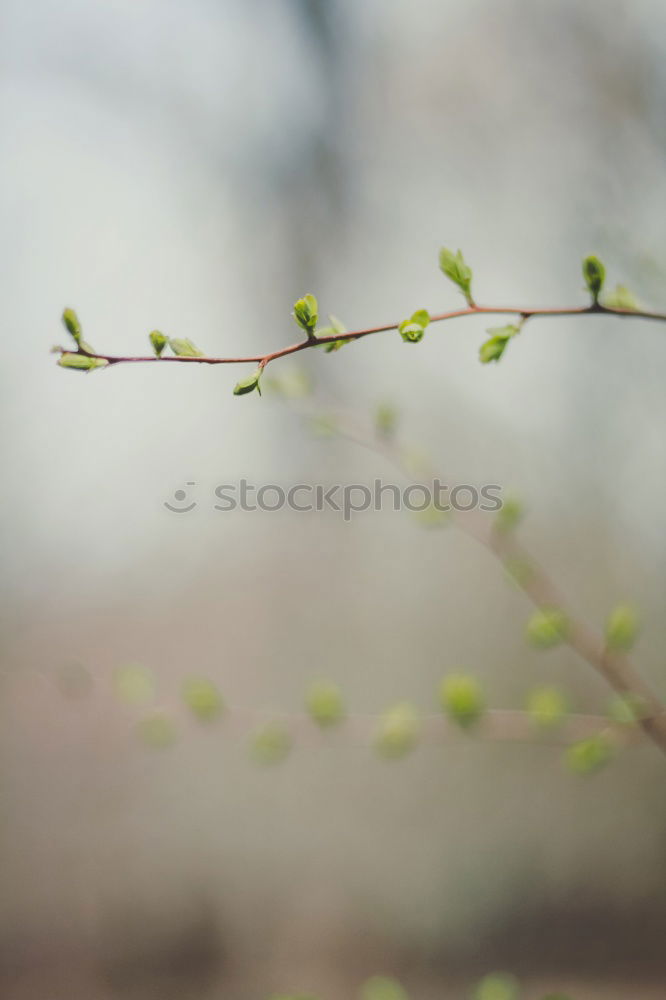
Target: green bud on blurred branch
<point>159,341</point>
<point>72,324</point>
<point>622,628</point>
<point>454,267</point>
<point>412,329</point>
<point>627,709</point>
<point>594,273</point>
<point>336,327</point>
<point>398,731</point>
<point>461,698</point>
<point>271,744</point>
<point>621,298</point>
<point>324,703</point>
<point>203,698</point>
<point>494,348</point>
<point>547,627</point>
<point>590,755</point>
<point>547,706</point>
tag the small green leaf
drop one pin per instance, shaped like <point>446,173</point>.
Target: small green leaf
<point>461,698</point>
<point>590,755</point>
<point>249,384</point>
<point>134,684</point>
<point>336,327</point>
<point>594,273</point>
<point>325,704</point>
<point>454,267</point>
<point>546,628</point>
<point>383,988</point>
<point>386,420</point>
<point>494,348</point>
<point>398,731</point>
<point>627,709</point>
<point>184,348</point>
<point>412,330</point>
<point>496,986</point>
<point>621,298</point>
<point>271,744</point>
<point>306,313</point>
<point>81,362</point>
<point>203,698</point>
<point>509,515</point>
<point>622,628</point>
<point>157,730</point>
<point>159,341</point>
<point>72,325</point>
<point>547,707</point>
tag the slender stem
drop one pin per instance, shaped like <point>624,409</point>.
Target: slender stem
<point>616,668</point>
<point>314,341</point>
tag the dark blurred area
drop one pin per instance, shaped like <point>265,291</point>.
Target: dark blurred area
<point>197,167</point>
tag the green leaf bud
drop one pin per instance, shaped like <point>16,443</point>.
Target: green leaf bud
<point>249,384</point>
<point>306,313</point>
<point>398,731</point>
<point>184,348</point>
<point>621,298</point>
<point>547,627</point>
<point>203,698</point>
<point>622,628</point>
<point>81,362</point>
<point>271,744</point>
<point>594,273</point>
<point>590,755</point>
<point>454,267</point>
<point>627,709</point>
<point>412,330</point>
<point>325,704</point>
<point>336,327</point>
<point>159,341</point>
<point>461,698</point>
<point>72,325</point>
<point>494,348</point>
<point>547,707</point>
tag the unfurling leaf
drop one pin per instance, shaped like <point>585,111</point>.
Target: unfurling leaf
<point>412,329</point>
<point>336,327</point>
<point>249,384</point>
<point>72,325</point>
<point>547,707</point>
<point>184,348</point>
<point>494,348</point>
<point>454,267</point>
<point>306,313</point>
<point>203,698</point>
<point>159,341</point>
<point>461,698</point>
<point>398,730</point>
<point>594,273</point>
<point>546,628</point>
<point>324,704</point>
<point>622,628</point>
<point>81,362</point>
<point>590,755</point>
<point>621,298</point>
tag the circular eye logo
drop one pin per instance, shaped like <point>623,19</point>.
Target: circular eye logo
<point>181,497</point>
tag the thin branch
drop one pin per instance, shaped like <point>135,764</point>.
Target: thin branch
<point>616,668</point>
<point>522,312</point>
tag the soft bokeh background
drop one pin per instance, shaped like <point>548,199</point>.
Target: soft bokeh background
<point>196,167</point>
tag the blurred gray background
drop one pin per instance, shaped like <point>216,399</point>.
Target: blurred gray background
<point>196,167</point>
